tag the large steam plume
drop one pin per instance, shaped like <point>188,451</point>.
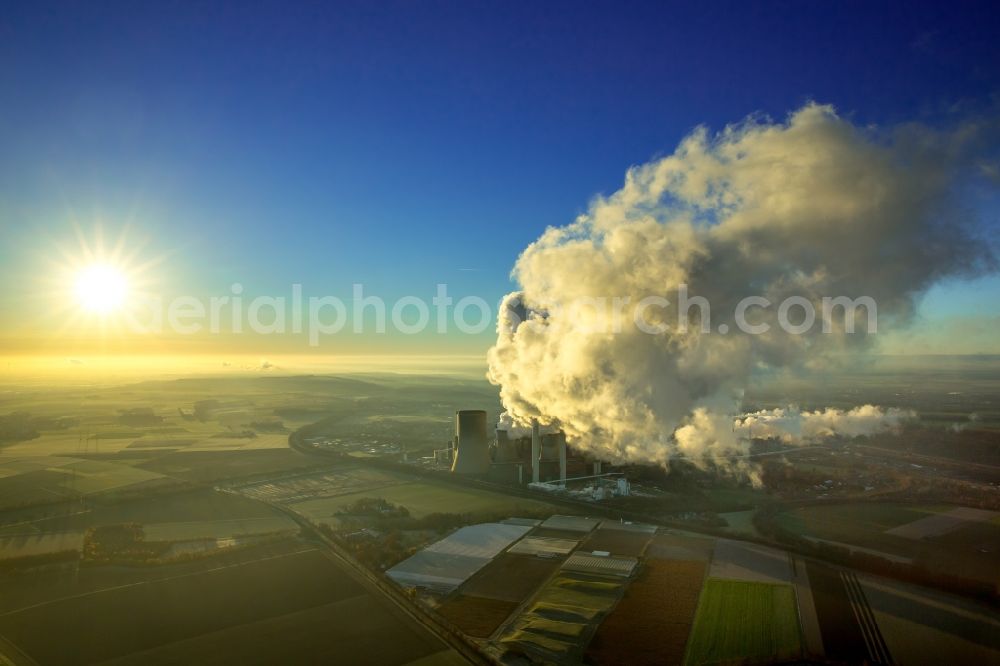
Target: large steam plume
<point>813,207</point>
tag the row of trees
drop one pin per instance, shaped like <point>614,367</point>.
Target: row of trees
<point>125,542</point>
<point>22,426</point>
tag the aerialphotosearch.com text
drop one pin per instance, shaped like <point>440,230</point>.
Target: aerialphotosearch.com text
<point>318,317</point>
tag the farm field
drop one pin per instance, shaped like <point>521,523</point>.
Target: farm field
<point>193,506</point>
<point>44,586</point>
<point>744,621</point>
<point>669,546</point>
<point>549,533</point>
<point>651,624</point>
<point>943,523</point>
<point>841,635</point>
<point>617,541</point>
<point>511,577</point>
<point>25,545</point>
<point>217,465</point>
<point>204,429</point>
<point>920,626</point>
<point>476,616</point>
<point>212,610</point>
<point>812,635</point>
<point>970,548</point>
<point>423,498</point>
<point>93,440</point>
<point>342,480</point>
<point>740,523</point>
<point>218,529</point>
<point>561,618</point>
<point>840,521</point>
<point>740,560</point>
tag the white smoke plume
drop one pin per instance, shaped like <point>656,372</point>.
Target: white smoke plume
<point>973,418</point>
<point>516,430</point>
<point>794,427</point>
<point>813,207</point>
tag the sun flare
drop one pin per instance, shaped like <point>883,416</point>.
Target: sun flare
<point>101,288</point>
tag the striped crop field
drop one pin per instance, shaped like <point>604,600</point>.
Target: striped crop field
<point>744,621</point>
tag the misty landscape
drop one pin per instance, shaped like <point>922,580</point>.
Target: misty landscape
<point>500,333</point>
<point>283,496</point>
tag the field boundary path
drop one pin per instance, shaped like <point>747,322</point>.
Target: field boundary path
<point>12,655</point>
<point>812,635</point>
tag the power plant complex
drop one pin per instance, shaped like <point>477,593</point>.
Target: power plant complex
<point>537,459</point>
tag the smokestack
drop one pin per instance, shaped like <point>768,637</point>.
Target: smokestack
<point>536,450</point>
<point>472,453</point>
<point>506,448</point>
<point>562,459</point>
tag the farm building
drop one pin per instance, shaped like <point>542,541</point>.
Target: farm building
<point>543,546</point>
<point>446,564</point>
<point>600,564</point>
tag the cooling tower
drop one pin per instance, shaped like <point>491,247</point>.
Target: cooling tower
<point>472,455</point>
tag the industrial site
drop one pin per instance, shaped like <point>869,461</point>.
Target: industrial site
<point>346,519</point>
<point>730,600</point>
<point>540,461</point>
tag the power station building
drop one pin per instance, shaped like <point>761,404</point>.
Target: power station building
<point>538,457</point>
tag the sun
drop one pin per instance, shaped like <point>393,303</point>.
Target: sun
<point>101,288</point>
<point>98,292</point>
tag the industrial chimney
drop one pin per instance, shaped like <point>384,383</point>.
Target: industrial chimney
<point>472,455</point>
<point>536,450</point>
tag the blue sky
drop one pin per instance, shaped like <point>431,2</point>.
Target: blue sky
<point>396,143</point>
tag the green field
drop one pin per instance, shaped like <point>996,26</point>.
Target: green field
<point>423,498</point>
<point>839,522</point>
<point>741,621</point>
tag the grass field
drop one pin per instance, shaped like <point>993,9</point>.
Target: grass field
<point>476,616</point>
<point>838,522</point>
<point>423,498</point>
<point>739,621</point>
<point>651,624</point>
<point>218,529</point>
